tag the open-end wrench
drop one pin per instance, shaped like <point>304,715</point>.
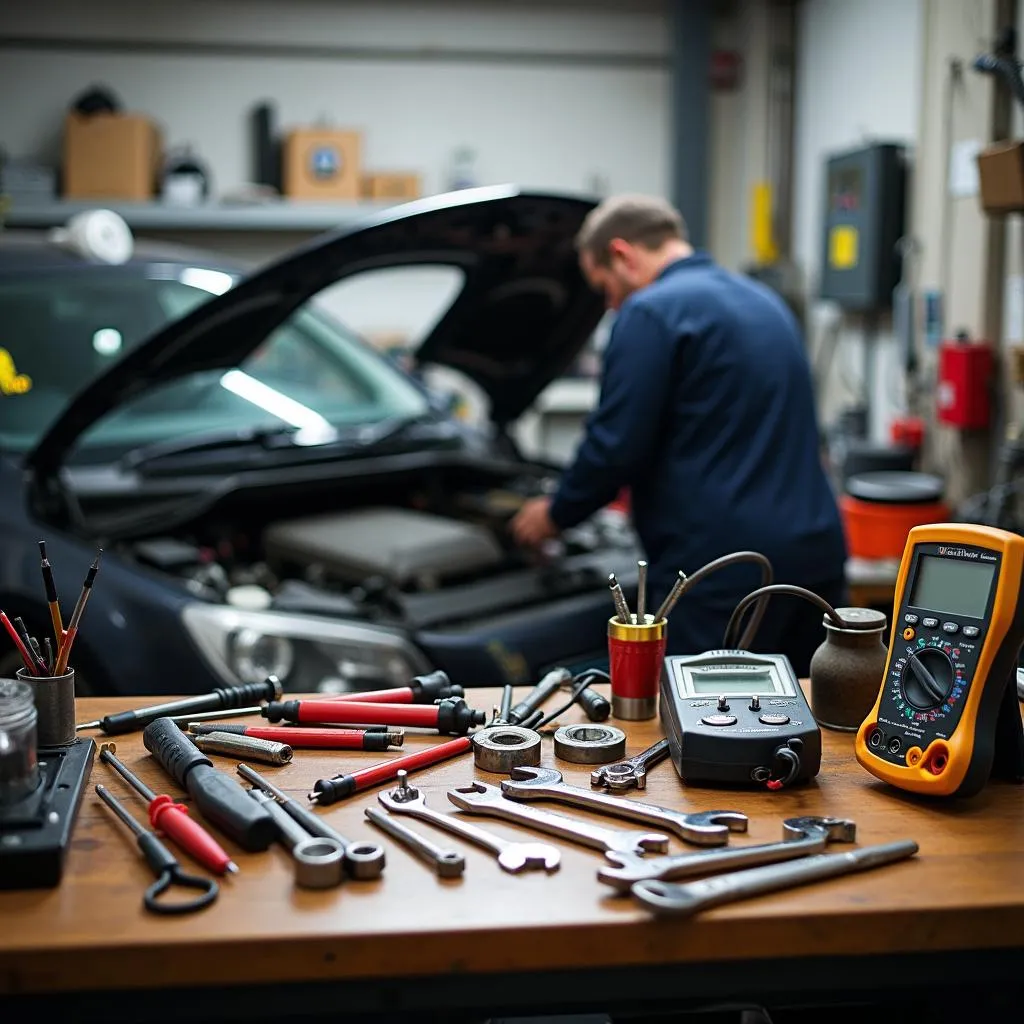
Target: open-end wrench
<point>702,828</point>
<point>631,773</point>
<point>479,798</point>
<point>801,837</point>
<point>513,857</point>
<point>684,899</point>
<point>447,863</point>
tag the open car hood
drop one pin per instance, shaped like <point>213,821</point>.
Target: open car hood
<point>521,317</point>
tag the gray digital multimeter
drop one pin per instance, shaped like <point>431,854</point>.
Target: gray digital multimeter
<point>735,717</point>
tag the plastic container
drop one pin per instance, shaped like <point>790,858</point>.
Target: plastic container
<point>636,653</point>
<point>19,769</point>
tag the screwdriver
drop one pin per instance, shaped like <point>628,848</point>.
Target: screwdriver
<point>329,791</point>
<point>451,715</point>
<point>220,799</point>
<point>422,690</point>
<point>172,819</point>
<point>310,738</point>
<point>222,697</point>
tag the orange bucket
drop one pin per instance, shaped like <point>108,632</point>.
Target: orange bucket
<point>879,529</point>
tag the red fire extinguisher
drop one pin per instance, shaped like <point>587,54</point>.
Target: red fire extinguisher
<point>965,372</point>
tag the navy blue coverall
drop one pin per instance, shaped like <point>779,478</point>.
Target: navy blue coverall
<point>707,414</point>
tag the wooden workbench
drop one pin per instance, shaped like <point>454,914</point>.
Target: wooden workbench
<point>963,892</point>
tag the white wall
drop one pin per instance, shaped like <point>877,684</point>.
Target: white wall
<point>537,123</point>
<point>858,80</point>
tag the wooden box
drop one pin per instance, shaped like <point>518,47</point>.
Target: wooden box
<point>321,163</point>
<point>110,156</point>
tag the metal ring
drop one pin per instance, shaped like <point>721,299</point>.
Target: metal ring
<point>590,744</point>
<point>501,748</point>
<point>318,863</point>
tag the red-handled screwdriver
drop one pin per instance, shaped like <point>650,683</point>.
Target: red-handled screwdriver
<point>172,819</point>
<point>422,690</point>
<point>301,736</point>
<point>451,715</point>
<point>329,791</point>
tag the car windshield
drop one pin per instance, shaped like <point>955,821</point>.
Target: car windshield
<point>62,328</point>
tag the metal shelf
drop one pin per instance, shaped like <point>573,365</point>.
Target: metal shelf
<point>279,215</point>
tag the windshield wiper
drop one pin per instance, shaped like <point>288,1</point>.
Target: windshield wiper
<point>213,441</point>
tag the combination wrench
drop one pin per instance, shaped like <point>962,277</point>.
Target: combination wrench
<point>447,863</point>
<point>479,798</point>
<point>631,773</point>
<point>801,838</point>
<point>513,857</point>
<point>702,828</point>
<point>319,862</point>
<point>684,899</point>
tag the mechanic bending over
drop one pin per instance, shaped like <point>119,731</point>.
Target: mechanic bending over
<point>707,415</point>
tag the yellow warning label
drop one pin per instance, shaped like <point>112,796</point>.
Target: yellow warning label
<point>12,382</point>
<point>842,247</point>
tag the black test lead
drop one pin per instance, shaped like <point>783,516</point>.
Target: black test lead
<point>51,594</point>
<point>621,607</point>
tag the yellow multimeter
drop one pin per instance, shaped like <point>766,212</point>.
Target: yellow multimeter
<point>946,717</point>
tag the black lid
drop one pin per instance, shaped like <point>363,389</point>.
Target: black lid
<point>893,487</point>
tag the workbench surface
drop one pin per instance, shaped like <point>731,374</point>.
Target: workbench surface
<point>964,891</point>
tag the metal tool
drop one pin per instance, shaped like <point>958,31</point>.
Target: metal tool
<point>319,862</point>
<point>631,773</point>
<point>329,791</point>
<point>544,690</point>
<point>428,689</point>
<point>512,856</point>
<point>501,748</point>
<point>803,836</point>
<point>688,898</point>
<point>212,716</point>
<point>172,819</point>
<point>164,865</point>
<point>452,715</point>
<point>621,607</point>
<point>447,863</point>
<point>671,597</point>
<point>220,799</point>
<point>303,737</point>
<point>362,859</point>
<point>229,744</point>
<point>589,744</point>
<point>223,697</point>
<point>702,828</point>
<point>641,591</point>
<point>479,798</point>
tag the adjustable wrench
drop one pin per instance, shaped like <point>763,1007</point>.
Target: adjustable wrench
<point>802,837</point>
<point>513,857</point>
<point>688,898</point>
<point>703,828</point>
<point>479,798</point>
<point>625,775</point>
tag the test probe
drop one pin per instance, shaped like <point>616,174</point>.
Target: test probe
<point>303,737</point>
<point>451,715</point>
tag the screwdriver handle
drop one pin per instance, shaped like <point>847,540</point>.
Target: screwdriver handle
<point>172,819</point>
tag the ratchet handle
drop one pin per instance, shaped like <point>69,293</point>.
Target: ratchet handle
<point>173,821</point>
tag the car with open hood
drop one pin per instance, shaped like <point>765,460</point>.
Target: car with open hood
<point>270,493</point>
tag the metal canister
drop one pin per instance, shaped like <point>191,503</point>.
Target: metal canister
<point>636,652</point>
<point>19,767</point>
<point>54,698</point>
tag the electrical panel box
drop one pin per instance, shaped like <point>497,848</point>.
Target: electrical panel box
<point>864,221</point>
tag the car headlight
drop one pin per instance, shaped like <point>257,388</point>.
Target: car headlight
<point>305,652</point>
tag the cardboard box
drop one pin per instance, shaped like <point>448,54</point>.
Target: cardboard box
<point>110,156</point>
<point>321,163</point>
<point>1001,172</point>
<point>392,185</point>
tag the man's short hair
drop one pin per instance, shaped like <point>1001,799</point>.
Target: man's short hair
<point>649,221</point>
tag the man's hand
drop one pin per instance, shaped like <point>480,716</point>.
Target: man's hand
<point>532,524</point>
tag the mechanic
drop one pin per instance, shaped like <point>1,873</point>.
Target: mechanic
<point>706,414</point>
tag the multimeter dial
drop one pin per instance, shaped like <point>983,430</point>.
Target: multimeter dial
<point>928,678</point>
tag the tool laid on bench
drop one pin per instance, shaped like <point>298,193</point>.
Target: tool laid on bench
<point>631,773</point>
<point>703,828</point>
<point>803,836</point>
<point>447,863</point>
<point>451,715</point>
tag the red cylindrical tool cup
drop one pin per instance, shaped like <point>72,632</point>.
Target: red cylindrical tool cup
<point>636,653</point>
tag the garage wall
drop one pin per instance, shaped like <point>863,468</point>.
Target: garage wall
<point>558,95</point>
<point>858,80</point>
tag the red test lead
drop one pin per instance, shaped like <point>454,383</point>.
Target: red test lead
<point>422,690</point>
<point>451,715</point>
<point>329,791</point>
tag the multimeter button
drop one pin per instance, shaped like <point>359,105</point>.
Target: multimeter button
<point>951,627</point>
<point>970,630</point>
<point>910,619</point>
<point>909,633</point>
<point>719,719</point>
<point>723,704</point>
<point>929,623</point>
<point>775,719</point>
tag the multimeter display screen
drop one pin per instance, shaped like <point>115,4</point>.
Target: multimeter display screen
<point>952,586</point>
<point>732,682</point>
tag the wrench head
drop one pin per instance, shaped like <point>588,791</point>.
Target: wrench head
<point>619,778</point>
<point>518,857</point>
<point>636,844</point>
<point>713,827</point>
<point>836,830</point>
<point>399,804</point>
<point>526,777</point>
<point>626,870</point>
<point>476,794</point>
